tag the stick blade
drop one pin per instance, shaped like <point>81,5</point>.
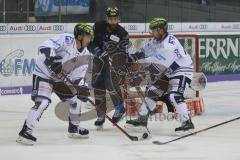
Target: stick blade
<point>134,138</point>
<point>158,143</point>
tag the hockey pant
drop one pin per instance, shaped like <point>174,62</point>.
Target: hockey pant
<point>41,95</point>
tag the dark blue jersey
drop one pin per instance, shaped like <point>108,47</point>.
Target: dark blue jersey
<point>114,40</point>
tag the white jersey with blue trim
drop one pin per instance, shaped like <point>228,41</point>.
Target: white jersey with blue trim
<point>168,53</point>
<point>63,45</point>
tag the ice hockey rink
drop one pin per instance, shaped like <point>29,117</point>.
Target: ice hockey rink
<point>220,143</point>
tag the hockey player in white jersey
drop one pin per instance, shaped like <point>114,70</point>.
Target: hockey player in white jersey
<point>166,60</point>
<point>53,53</point>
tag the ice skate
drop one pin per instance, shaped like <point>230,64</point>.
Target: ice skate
<point>186,126</point>
<point>119,112</point>
<point>25,137</point>
<point>140,122</point>
<point>99,122</point>
<point>74,131</point>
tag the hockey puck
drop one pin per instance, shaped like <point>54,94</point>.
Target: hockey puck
<point>145,135</point>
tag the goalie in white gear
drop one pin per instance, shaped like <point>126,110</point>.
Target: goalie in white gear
<point>166,60</point>
<point>54,53</point>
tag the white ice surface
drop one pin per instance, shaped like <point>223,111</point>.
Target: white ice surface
<point>221,143</point>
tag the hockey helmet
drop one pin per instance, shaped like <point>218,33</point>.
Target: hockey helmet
<point>158,23</point>
<point>112,12</point>
<point>83,29</point>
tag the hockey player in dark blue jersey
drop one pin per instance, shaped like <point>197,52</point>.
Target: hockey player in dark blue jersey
<point>110,39</point>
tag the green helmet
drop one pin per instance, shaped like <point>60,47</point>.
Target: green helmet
<point>83,28</point>
<point>112,12</point>
<point>158,23</point>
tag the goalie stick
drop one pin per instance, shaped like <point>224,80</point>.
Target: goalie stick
<point>196,132</point>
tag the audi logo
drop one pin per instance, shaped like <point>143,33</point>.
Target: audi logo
<point>203,26</point>
<point>170,27</point>
<point>132,27</point>
<point>3,28</point>
<point>30,28</point>
<point>235,26</point>
<point>58,27</point>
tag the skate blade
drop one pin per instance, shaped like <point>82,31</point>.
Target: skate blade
<point>182,133</point>
<point>25,141</point>
<point>76,135</point>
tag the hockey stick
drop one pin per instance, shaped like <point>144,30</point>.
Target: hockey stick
<point>139,90</point>
<point>202,130</point>
<point>133,138</point>
<point>74,90</point>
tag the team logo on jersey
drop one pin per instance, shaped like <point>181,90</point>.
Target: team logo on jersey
<point>171,40</point>
<point>69,40</point>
